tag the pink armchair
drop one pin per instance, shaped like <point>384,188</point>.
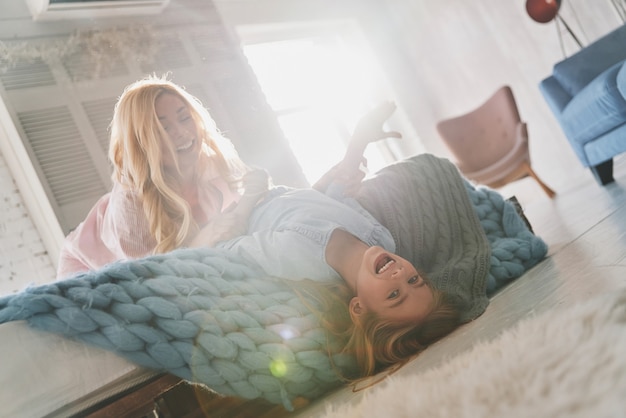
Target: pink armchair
<point>490,143</point>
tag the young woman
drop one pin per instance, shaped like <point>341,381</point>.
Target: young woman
<point>172,174</point>
<point>419,213</point>
<point>331,249</point>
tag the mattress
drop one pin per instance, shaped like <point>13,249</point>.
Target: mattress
<point>46,375</point>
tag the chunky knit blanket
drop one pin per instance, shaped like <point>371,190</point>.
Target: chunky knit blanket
<point>206,316</point>
<point>469,241</point>
<point>200,314</point>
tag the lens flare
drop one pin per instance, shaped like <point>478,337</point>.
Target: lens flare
<point>278,368</point>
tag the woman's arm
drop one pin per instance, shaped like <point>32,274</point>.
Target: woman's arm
<point>234,221</point>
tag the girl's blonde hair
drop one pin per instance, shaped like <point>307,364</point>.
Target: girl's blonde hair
<point>379,343</point>
<point>136,155</point>
<point>375,343</point>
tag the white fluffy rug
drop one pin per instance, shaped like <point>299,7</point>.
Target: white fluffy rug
<point>569,362</point>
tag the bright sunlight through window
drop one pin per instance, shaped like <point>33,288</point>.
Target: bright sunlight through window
<point>318,87</point>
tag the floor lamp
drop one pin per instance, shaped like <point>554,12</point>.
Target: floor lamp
<point>620,8</point>
<point>544,11</point>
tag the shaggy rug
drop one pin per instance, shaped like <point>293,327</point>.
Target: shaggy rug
<point>568,362</point>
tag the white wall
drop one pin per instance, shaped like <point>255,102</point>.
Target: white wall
<point>23,258</point>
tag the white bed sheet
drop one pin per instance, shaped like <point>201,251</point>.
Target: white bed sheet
<point>47,375</point>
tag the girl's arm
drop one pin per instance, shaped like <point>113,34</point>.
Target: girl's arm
<point>369,129</point>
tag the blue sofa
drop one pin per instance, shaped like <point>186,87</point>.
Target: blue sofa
<point>587,94</point>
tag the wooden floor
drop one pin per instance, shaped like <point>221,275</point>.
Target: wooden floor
<point>585,228</point>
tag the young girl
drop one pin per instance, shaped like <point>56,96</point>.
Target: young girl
<point>394,310</point>
<point>382,307</point>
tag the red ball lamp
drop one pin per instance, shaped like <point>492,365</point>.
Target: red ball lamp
<point>542,11</point>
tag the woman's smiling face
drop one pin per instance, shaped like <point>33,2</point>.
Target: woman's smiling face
<point>391,287</point>
<point>177,121</point>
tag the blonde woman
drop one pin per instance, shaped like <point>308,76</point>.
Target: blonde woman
<point>173,173</point>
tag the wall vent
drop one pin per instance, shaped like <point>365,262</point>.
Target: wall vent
<point>90,9</point>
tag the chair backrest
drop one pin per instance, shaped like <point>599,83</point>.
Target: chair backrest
<point>485,135</point>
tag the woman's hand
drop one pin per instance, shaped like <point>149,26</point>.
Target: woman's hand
<point>225,226</point>
<point>234,221</point>
<point>256,182</point>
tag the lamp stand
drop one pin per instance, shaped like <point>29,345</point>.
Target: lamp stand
<point>560,19</point>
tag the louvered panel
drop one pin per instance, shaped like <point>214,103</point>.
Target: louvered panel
<point>207,7</point>
<point>61,154</point>
<point>35,73</point>
<point>212,44</point>
<point>100,113</point>
<point>89,65</point>
<point>171,54</point>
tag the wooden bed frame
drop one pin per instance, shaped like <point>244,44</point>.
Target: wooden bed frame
<point>168,396</point>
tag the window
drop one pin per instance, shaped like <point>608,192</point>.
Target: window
<point>319,82</point>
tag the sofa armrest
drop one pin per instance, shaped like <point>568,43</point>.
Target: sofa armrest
<point>621,81</point>
<point>555,95</point>
<point>576,71</point>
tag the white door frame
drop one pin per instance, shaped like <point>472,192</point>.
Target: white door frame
<point>34,196</point>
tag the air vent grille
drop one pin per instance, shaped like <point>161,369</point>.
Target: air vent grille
<point>26,74</point>
<point>171,55</point>
<point>88,65</point>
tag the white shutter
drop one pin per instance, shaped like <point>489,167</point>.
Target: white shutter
<point>64,161</point>
<point>50,128</point>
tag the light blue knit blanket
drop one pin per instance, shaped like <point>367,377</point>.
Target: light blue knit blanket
<point>514,248</point>
<point>200,314</point>
<point>205,316</point>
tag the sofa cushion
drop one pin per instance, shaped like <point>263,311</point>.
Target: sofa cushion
<point>596,109</point>
<point>575,72</point>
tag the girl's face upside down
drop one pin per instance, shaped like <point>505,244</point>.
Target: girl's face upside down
<point>391,287</point>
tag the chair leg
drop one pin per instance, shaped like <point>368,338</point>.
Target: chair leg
<point>543,186</point>
<point>603,172</point>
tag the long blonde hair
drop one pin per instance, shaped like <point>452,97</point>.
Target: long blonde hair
<point>375,343</point>
<point>136,156</point>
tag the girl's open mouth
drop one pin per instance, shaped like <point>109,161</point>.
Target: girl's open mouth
<point>383,262</point>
